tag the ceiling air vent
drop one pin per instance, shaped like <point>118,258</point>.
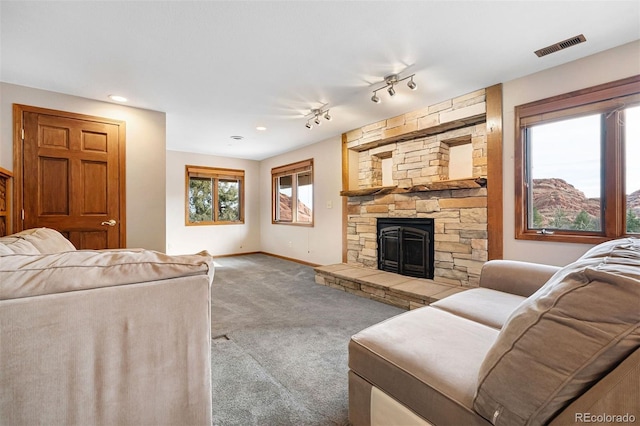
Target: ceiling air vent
<point>560,45</point>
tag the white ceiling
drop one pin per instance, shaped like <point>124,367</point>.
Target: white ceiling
<point>221,68</point>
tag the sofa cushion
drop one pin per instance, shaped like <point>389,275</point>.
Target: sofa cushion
<point>426,359</point>
<point>36,240</point>
<point>483,305</point>
<point>35,275</point>
<point>582,323</point>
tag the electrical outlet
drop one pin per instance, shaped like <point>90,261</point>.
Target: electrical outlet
<point>290,244</point>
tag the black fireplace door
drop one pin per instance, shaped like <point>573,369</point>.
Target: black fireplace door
<point>404,250</point>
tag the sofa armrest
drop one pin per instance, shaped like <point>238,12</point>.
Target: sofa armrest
<point>515,277</point>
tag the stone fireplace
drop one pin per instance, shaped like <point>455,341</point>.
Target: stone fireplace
<point>427,164</point>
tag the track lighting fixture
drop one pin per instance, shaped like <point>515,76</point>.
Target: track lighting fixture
<point>390,82</point>
<point>411,84</point>
<point>316,113</point>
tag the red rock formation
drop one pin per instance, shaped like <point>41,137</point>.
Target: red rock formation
<point>304,212</point>
<point>553,195</point>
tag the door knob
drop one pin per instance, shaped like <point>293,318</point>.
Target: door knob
<point>110,222</point>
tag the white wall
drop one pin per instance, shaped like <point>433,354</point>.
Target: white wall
<point>216,239</point>
<point>322,243</point>
<point>603,67</point>
<point>145,150</point>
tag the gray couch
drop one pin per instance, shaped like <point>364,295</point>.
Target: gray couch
<point>533,345</point>
<point>112,337</point>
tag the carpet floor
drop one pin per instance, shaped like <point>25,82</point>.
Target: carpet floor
<point>279,347</point>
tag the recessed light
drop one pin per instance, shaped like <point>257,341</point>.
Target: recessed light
<point>117,98</point>
<point>261,128</point>
<point>237,137</point>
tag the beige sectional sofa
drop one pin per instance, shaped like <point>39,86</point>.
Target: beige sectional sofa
<point>113,337</point>
<point>533,345</point>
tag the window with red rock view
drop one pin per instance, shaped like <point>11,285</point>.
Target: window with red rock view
<point>293,193</point>
<point>580,174</point>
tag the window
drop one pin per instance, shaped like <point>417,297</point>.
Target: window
<point>293,193</point>
<point>575,172</point>
<point>214,196</point>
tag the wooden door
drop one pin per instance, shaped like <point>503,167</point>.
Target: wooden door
<point>72,176</point>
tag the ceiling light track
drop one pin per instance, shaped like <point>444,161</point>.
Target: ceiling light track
<point>390,82</point>
<point>316,114</point>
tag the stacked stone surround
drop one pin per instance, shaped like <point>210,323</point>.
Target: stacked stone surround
<point>417,144</point>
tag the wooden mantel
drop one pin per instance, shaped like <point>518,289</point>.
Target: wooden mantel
<point>434,186</point>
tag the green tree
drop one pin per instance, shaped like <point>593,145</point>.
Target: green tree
<point>538,219</point>
<point>200,200</point>
<point>559,220</point>
<point>228,200</point>
<point>583,222</point>
<point>633,222</point>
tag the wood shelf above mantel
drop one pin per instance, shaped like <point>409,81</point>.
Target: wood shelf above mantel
<point>441,185</point>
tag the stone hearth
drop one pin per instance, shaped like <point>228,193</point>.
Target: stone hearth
<point>393,289</point>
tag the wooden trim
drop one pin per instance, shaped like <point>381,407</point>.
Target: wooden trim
<point>495,212</point>
<point>237,254</point>
<point>186,196</point>
<point>18,183</point>
<point>292,169</point>
<point>439,185</point>
<point>18,199</point>
<point>216,173</point>
<point>300,166</point>
<point>573,111</point>
<point>597,99</point>
<point>345,187</point>
<point>585,96</point>
<point>291,259</point>
<point>122,158</point>
<point>6,212</point>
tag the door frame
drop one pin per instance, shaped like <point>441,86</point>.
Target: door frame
<point>18,161</point>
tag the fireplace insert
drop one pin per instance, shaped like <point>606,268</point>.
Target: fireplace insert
<point>405,246</point>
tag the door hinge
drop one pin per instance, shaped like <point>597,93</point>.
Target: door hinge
<point>22,134</point>
<point>22,214</point>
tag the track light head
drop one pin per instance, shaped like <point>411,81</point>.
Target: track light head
<point>327,116</point>
<point>317,121</point>
<point>375,98</point>
<point>412,85</point>
<point>391,90</point>
<point>308,126</point>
